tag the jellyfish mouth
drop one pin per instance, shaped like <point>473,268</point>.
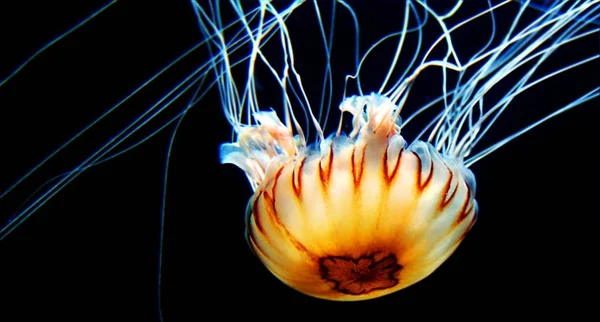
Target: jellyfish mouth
<point>362,275</point>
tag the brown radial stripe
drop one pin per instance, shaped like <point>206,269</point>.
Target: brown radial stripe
<point>464,234</point>
<point>446,200</point>
<point>256,247</point>
<point>387,177</point>
<point>325,174</point>
<point>420,186</point>
<point>297,179</point>
<point>256,213</point>
<point>271,201</point>
<point>466,208</point>
<point>357,172</point>
<point>253,238</point>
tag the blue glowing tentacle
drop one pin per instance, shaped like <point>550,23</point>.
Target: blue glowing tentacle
<point>55,40</point>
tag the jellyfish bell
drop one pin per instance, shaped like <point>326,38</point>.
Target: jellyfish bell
<point>360,216</point>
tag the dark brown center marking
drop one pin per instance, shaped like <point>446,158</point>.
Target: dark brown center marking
<point>362,275</point>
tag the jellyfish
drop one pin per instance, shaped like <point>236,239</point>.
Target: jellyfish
<point>358,140</point>
<point>362,214</point>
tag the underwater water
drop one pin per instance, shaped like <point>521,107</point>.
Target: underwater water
<point>91,252</point>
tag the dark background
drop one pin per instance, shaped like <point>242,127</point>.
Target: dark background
<point>91,253</point>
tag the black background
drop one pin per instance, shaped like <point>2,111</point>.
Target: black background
<point>91,253</point>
